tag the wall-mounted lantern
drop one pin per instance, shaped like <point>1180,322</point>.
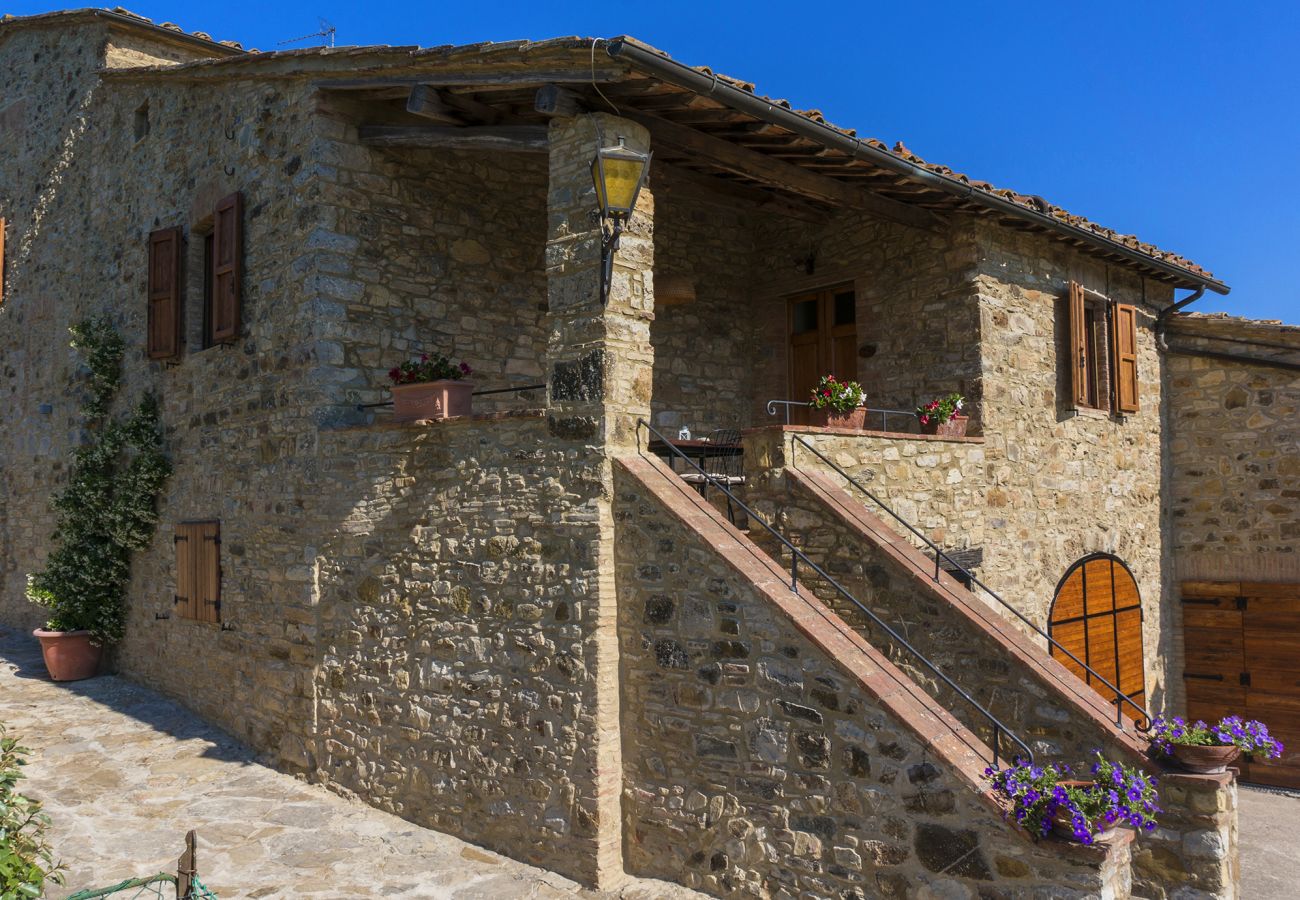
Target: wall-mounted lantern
<point>618,173</point>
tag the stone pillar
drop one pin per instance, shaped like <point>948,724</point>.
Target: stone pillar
<point>599,359</point>
<point>599,366</point>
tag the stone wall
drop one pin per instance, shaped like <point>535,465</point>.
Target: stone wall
<point>993,658</point>
<point>458,597</point>
<point>966,637</point>
<point>1063,485</point>
<point>1234,449</point>
<point>429,251</point>
<point>936,483</point>
<point>917,320</point>
<point>723,354</point>
<point>707,352</point>
<point>1195,851</point>
<point>767,752</point>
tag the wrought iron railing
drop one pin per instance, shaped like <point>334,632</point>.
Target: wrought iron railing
<point>509,390</point>
<point>909,417</point>
<point>939,555</point>
<point>797,557</point>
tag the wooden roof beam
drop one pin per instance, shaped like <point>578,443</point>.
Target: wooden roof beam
<point>512,138</point>
<point>780,175</point>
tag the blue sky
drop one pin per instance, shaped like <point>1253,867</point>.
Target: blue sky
<point>1178,122</point>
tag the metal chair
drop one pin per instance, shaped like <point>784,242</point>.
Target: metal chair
<point>726,469</point>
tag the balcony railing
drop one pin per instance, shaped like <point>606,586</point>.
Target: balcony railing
<point>908,417</point>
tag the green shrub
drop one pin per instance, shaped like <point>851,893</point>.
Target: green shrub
<point>26,862</point>
<point>107,510</point>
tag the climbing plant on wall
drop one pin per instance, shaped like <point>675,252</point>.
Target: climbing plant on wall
<point>107,510</point>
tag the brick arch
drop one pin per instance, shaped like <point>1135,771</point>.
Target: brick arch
<point>1097,615</point>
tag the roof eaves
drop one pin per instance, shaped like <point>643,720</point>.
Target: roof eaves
<point>124,18</point>
<point>742,95</point>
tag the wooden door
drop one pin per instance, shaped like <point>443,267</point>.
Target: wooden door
<point>1240,643</point>
<point>823,341</point>
<point>1097,617</point>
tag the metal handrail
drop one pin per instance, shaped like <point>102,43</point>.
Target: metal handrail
<point>884,413</point>
<point>1120,696</point>
<point>509,390</point>
<point>797,555</point>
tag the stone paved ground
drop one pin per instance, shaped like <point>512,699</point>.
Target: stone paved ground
<point>124,773</point>
<point>1270,844</point>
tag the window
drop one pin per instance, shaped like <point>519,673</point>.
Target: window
<point>212,274</point>
<point>198,286</point>
<point>198,571</point>
<point>1102,352</point>
<point>1097,616</point>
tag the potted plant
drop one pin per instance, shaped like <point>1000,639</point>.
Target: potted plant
<point>1044,800</point>
<point>1208,750</point>
<point>104,513</point>
<point>431,387</point>
<point>943,416</point>
<point>837,404</point>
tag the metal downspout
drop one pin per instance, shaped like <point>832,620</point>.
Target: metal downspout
<point>1162,318</point>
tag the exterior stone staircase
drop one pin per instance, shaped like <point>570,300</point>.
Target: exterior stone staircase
<point>1007,669</point>
<point>770,749</point>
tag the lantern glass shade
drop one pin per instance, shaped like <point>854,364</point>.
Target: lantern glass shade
<point>618,173</point>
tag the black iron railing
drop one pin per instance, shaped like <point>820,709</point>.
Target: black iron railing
<point>1120,697</point>
<point>513,390</point>
<point>797,557</point>
<point>908,416</point>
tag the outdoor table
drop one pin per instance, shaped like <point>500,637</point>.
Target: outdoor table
<point>695,448</point>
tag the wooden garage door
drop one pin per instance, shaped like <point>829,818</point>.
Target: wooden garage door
<point>1097,616</point>
<point>1241,641</point>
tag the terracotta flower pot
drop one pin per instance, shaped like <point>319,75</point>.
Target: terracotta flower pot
<point>1213,759</point>
<point>1063,821</point>
<point>829,418</point>
<point>69,655</point>
<point>432,400</point>
<point>954,427</point>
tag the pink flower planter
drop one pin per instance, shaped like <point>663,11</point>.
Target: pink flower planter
<point>432,400</point>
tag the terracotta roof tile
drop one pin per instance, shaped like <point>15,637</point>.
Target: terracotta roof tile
<point>1032,202</point>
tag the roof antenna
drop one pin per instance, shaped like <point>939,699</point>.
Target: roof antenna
<point>326,31</point>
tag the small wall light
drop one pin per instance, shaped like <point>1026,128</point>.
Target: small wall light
<point>618,173</point>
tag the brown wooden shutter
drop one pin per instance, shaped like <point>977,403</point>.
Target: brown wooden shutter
<point>227,267</point>
<point>3,223</point>
<point>164,326</point>
<point>198,571</point>
<point>1080,365</point>
<point>1124,373</point>
<point>186,590</point>
<point>209,572</point>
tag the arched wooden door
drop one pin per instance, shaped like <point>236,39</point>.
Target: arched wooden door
<point>1097,616</point>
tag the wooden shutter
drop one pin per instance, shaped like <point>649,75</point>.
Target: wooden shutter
<point>227,267</point>
<point>1080,365</point>
<point>1124,374</point>
<point>187,540</point>
<point>198,571</point>
<point>164,325</point>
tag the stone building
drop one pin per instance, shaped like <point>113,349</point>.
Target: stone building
<point>1233,452</point>
<point>520,626</point>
